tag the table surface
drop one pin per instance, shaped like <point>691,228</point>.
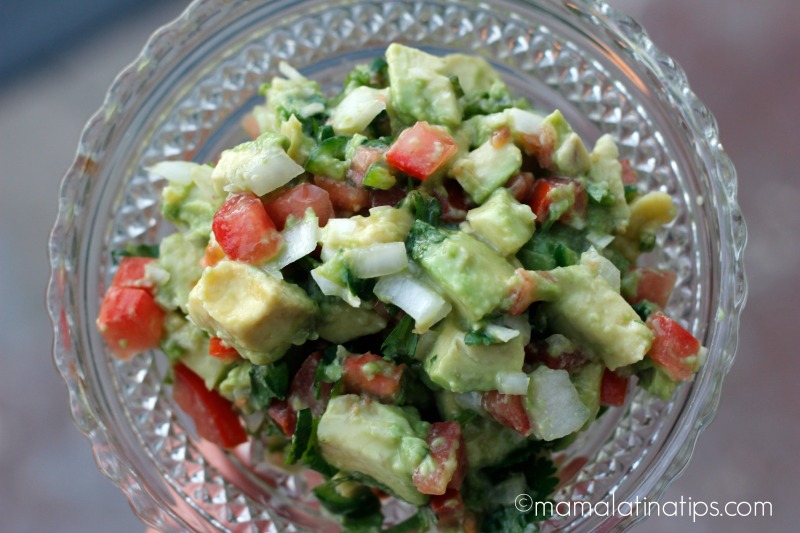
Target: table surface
<point>742,60</point>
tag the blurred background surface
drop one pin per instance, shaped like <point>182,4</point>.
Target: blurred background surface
<point>743,60</point>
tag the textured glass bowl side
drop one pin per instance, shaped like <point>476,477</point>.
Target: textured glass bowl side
<point>183,98</point>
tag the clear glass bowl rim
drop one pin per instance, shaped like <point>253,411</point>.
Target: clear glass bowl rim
<point>699,119</point>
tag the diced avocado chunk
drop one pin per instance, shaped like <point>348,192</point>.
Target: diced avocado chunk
<point>236,385</point>
<point>570,156</point>
<point>486,168</point>
<point>257,314</point>
<point>189,204</point>
<point>553,404</point>
<point>296,96</point>
<point>484,90</point>
<point>459,367</point>
<point>587,381</point>
<point>260,166</point>
<point>419,88</point>
<point>488,442</point>
<point>605,178</point>
<point>648,213</point>
<point>655,381</point>
<point>384,224</point>
<point>300,145</point>
<point>176,271</point>
<point>339,322</point>
<point>460,265</point>
<point>502,222</point>
<point>589,311</point>
<point>385,442</point>
<point>186,343</point>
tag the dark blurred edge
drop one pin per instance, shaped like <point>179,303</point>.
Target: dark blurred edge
<point>34,31</point>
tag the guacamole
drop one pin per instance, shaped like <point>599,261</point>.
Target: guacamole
<point>419,286</point>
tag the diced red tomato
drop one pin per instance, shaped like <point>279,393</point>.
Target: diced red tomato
<point>130,321</point>
<point>295,201</point>
<point>521,186</point>
<point>421,150</point>
<point>130,273</point>
<point>213,415</point>
<point>509,410</point>
<point>455,203</point>
<point>448,507</point>
<point>363,158</point>
<point>653,285</point>
<point>545,190</point>
<point>613,388</point>
<point>217,348</point>
<point>344,196</point>
<point>629,176</point>
<point>245,231</point>
<point>449,455</point>
<point>378,197</point>
<point>284,416</point>
<point>674,349</point>
<point>371,374</point>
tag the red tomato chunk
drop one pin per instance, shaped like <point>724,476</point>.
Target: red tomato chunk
<point>344,196</point>
<point>654,285</point>
<point>130,321</point>
<point>613,389</point>
<point>131,274</point>
<point>295,201</point>
<point>421,150</point>
<point>448,507</point>
<point>244,230</point>
<point>217,348</point>
<point>509,410</point>
<point>674,349</point>
<point>370,374</point>
<point>449,454</point>
<point>213,415</point>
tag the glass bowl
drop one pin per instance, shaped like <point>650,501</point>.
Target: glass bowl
<point>183,98</point>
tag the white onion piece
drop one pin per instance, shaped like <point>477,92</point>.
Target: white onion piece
<point>330,288</point>
<point>500,333</point>
<point>601,267</point>
<point>289,71</point>
<point>378,260</point>
<point>519,323</point>
<point>524,122</point>
<point>599,240</point>
<point>267,174</point>
<point>512,383</point>
<point>355,112</point>
<point>414,297</point>
<point>177,172</point>
<point>299,240</point>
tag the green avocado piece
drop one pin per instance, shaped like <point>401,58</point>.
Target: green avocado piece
<point>259,315</point>
<point>461,367</point>
<point>460,265</point>
<point>570,156</point>
<point>589,311</point>
<point>385,442</point>
<point>486,168</point>
<point>339,322</point>
<point>502,222</point>
<point>419,88</point>
<point>176,270</point>
<point>488,442</point>
<point>606,175</point>
<point>587,381</point>
<point>191,206</point>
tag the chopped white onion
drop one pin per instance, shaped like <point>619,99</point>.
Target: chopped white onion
<point>414,297</point>
<point>289,71</point>
<point>265,174</point>
<point>512,382</point>
<point>519,323</point>
<point>177,172</point>
<point>524,122</point>
<point>355,112</point>
<point>253,421</point>
<point>330,288</point>
<point>599,240</point>
<point>469,400</point>
<point>500,333</point>
<point>299,240</point>
<point>601,267</point>
<point>378,260</point>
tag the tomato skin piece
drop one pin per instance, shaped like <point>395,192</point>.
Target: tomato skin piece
<point>295,201</point>
<point>613,389</point>
<point>363,158</point>
<point>421,150</point>
<point>521,186</point>
<point>213,415</point>
<point>302,392</point>
<point>455,203</point>
<point>383,381</point>
<point>217,348</point>
<point>541,198</point>
<point>131,274</point>
<point>390,197</point>
<point>284,416</point>
<point>448,507</point>
<point>244,230</point>
<point>130,321</point>
<point>674,349</point>
<point>449,454</point>
<point>344,196</point>
<point>629,176</point>
<point>509,410</point>
<point>654,285</point>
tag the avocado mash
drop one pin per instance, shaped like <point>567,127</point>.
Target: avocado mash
<point>418,287</point>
